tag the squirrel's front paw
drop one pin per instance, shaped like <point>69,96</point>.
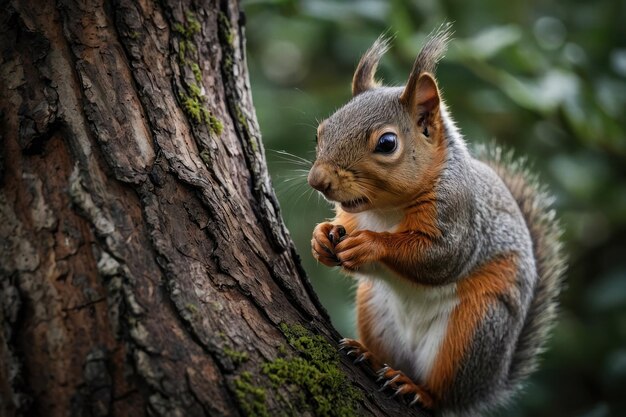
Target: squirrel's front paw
<point>322,247</point>
<point>358,249</point>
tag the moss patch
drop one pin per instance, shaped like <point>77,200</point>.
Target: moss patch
<point>197,74</point>
<point>241,117</point>
<point>206,157</point>
<point>193,107</point>
<point>237,357</point>
<point>227,29</point>
<point>193,104</point>
<point>250,397</point>
<point>189,29</point>
<point>193,101</point>
<point>192,308</point>
<point>323,387</point>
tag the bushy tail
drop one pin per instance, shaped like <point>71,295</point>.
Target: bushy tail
<point>545,231</point>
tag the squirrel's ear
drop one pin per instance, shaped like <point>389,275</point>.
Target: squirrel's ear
<point>363,78</point>
<point>421,93</point>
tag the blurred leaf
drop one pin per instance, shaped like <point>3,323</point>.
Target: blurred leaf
<point>609,292</point>
<point>490,41</point>
<point>615,367</point>
<point>340,11</point>
<point>600,410</point>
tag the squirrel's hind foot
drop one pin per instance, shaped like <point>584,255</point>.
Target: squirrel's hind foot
<point>395,380</point>
<point>403,385</point>
<point>355,349</point>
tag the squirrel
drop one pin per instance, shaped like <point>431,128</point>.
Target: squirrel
<point>457,254</point>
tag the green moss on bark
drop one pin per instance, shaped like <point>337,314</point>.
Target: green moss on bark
<point>193,104</point>
<point>189,28</point>
<point>313,380</point>
<point>193,100</point>
<point>227,28</point>
<point>197,74</point>
<point>237,357</point>
<point>324,388</point>
<point>250,397</point>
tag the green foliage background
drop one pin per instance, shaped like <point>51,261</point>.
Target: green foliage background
<point>542,77</point>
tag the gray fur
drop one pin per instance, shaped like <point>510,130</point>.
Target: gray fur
<point>535,203</point>
<point>499,361</point>
<point>365,72</point>
<point>433,50</point>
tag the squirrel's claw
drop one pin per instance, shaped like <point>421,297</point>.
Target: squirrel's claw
<point>337,234</point>
<point>403,385</point>
<point>396,392</point>
<point>390,381</point>
<point>343,344</point>
<point>354,348</point>
<point>383,371</point>
<point>416,400</point>
<point>361,358</point>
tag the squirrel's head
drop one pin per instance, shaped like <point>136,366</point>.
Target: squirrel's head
<point>385,145</point>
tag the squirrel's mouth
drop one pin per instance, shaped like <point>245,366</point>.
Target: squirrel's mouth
<point>356,205</point>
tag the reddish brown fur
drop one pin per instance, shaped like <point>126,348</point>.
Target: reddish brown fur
<point>475,292</point>
<point>347,220</point>
<point>364,324</point>
<point>403,249</point>
<point>421,212</point>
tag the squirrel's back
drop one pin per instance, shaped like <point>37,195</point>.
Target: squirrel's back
<point>535,204</point>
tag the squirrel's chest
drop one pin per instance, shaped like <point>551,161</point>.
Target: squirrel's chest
<point>378,221</point>
<point>412,322</point>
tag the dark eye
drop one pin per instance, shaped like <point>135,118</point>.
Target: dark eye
<point>387,143</point>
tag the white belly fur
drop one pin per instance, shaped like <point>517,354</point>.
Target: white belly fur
<point>411,320</point>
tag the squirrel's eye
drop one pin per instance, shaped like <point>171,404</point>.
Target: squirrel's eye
<point>387,143</point>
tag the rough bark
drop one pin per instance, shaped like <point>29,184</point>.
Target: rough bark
<point>144,266</point>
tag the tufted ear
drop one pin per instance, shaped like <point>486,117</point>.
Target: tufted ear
<point>421,94</point>
<point>363,78</point>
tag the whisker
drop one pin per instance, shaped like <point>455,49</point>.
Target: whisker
<point>307,124</point>
<point>301,195</point>
<point>288,184</point>
<point>284,152</point>
<point>291,158</point>
<point>293,162</point>
<point>291,195</point>
<point>309,198</point>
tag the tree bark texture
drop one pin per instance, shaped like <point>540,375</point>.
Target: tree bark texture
<point>144,266</point>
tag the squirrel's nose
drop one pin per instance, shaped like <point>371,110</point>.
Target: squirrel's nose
<point>319,179</point>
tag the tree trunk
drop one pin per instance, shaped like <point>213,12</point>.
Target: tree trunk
<point>144,266</point>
